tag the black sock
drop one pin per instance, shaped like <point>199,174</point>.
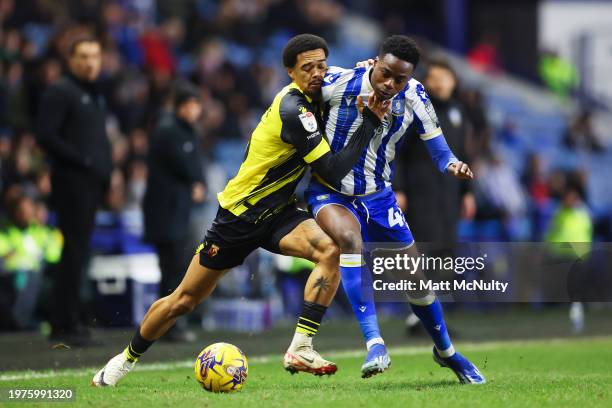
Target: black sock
<point>137,347</point>
<point>310,318</point>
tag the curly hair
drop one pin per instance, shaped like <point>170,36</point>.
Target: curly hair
<point>401,46</point>
<point>299,44</point>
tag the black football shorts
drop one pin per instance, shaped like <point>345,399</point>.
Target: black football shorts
<point>231,239</point>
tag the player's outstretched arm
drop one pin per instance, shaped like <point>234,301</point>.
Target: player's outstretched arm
<point>445,160</point>
<point>333,167</point>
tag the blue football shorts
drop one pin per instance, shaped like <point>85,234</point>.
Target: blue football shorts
<point>378,214</point>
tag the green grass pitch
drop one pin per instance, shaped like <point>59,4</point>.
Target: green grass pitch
<point>570,372</point>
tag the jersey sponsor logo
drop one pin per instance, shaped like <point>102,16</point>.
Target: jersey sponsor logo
<point>308,121</point>
<point>313,135</point>
<point>322,197</point>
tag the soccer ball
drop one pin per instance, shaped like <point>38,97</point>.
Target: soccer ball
<point>221,367</point>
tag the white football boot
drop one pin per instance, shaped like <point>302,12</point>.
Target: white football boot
<point>113,371</point>
<point>301,356</point>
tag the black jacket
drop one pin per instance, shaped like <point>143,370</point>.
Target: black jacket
<point>174,165</point>
<point>433,198</point>
<point>71,128</point>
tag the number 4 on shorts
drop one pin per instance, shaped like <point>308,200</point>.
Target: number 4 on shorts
<point>395,218</point>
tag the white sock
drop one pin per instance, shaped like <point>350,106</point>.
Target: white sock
<point>446,353</point>
<point>376,340</point>
<point>300,340</point>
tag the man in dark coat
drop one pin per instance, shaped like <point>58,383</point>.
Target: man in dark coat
<point>432,201</point>
<point>72,131</point>
<point>174,183</point>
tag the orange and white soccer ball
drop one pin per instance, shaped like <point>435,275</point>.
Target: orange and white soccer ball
<point>221,367</point>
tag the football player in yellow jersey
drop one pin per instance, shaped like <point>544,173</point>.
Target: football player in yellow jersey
<point>258,209</point>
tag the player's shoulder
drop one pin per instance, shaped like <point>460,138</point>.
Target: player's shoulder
<point>415,92</point>
<point>333,74</point>
<point>413,87</point>
<point>296,112</point>
<point>166,128</point>
<point>338,75</point>
<point>292,101</point>
<point>62,87</point>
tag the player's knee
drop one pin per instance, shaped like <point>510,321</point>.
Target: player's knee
<point>349,242</point>
<point>182,303</point>
<point>328,251</point>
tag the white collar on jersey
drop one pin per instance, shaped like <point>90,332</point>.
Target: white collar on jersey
<point>366,79</point>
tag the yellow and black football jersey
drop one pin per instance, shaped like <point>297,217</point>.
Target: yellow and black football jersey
<point>287,138</point>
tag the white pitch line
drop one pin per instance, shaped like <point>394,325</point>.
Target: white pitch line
<point>397,351</point>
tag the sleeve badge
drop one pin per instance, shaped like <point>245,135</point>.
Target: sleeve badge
<point>309,121</point>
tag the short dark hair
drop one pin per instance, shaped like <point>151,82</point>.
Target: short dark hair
<point>299,44</point>
<point>85,38</point>
<point>401,46</point>
<point>184,91</point>
<point>441,62</point>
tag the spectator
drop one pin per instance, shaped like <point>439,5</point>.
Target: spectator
<point>499,187</point>
<point>484,56</point>
<point>500,196</point>
<point>571,222</point>
<point>558,74</point>
<point>434,201</point>
<point>71,128</point>
<point>479,143</point>
<point>174,182</point>
<point>136,185</point>
<point>557,183</point>
<point>25,247</point>
<point>571,229</point>
<point>581,136</point>
<point>535,181</point>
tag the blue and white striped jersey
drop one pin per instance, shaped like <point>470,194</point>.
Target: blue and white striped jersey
<point>374,169</point>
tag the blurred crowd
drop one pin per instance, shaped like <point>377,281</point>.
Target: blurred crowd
<point>230,50</point>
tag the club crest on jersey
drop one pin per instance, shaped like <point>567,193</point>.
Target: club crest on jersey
<point>397,107</point>
<point>308,121</point>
